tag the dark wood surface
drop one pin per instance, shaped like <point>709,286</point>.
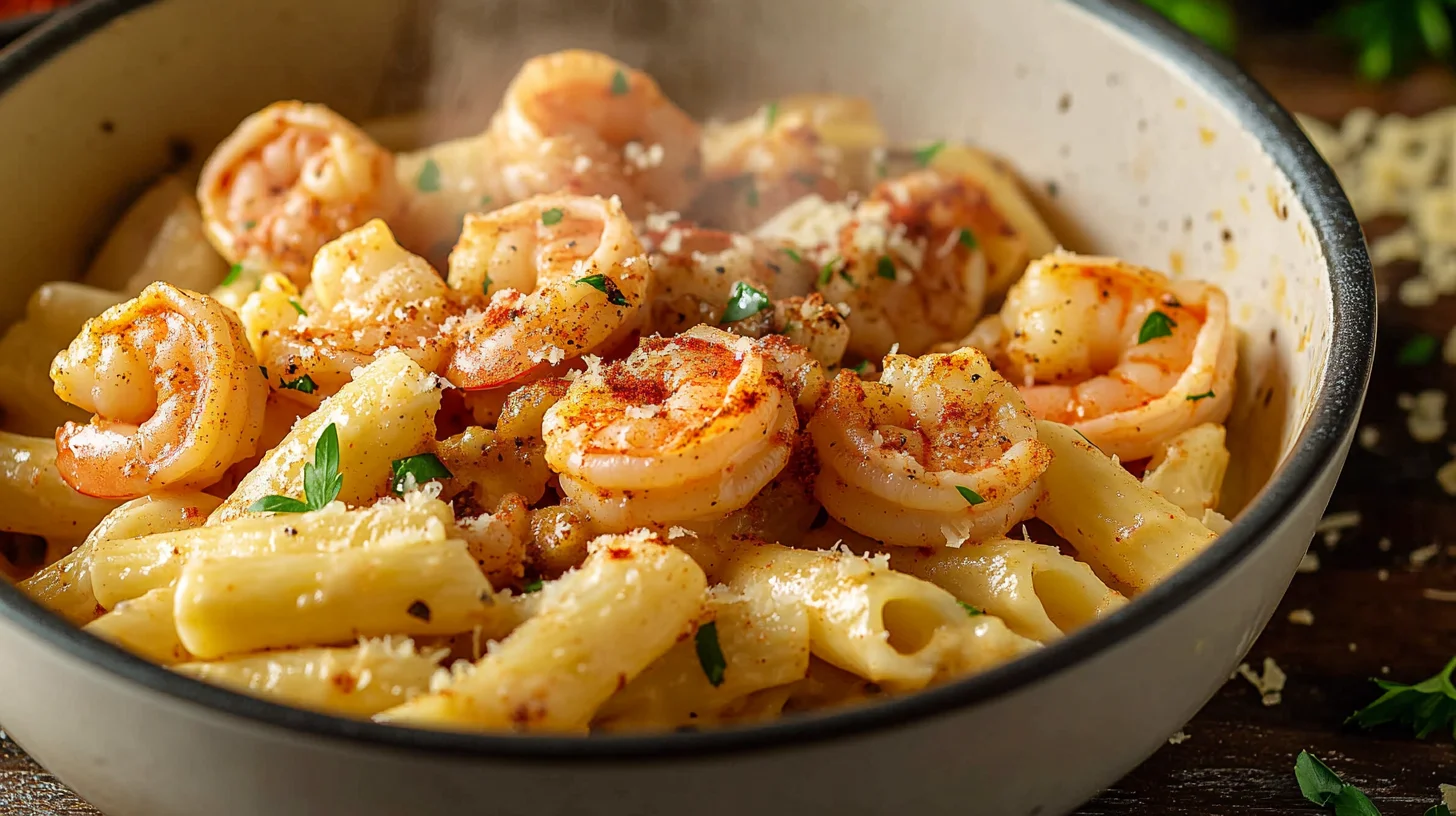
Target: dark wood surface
<point>1239,754</point>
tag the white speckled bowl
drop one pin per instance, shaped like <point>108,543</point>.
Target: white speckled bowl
<point>1136,141</point>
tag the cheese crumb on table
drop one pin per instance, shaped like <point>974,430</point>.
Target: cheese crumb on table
<point>1419,557</point>
<point>1309,563</point>
<point>1178,738</point>
<point>1303,617</point>
<point>1270,684</point>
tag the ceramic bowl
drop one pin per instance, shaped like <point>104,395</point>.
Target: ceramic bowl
<point>1133,139</point>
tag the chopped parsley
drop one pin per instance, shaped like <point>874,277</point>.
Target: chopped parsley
<point>1197,397</point>
<point>1426,707</point>
<point>710,653</point>
<point>604,284</point>
<point>234,272</point>
<point>827,271</point>
<point>744,301</point>
<point>972,497</point>
<point>844,276</point>
<point>428,181</point>
<point>925,155</point>
<point>485,285</point>
<point>297,308</point>
<point>322,480</point>
<point>420,468</point>
<point>485,200</point>
<point>752,193</point>
<point>971,610</point>
<point>770,114</point>
<point>793,255</point>
<point>967,239</point>
<point>861,368</point>
<point>620,86</point>
<point>249,224</point>
<point>552,216</point>
<point>1154,326</point>
<point>1323,786</point>
<point>304,384</point>
<point>1417,351</point>
<point>886,267</point>
<point>533,586</point>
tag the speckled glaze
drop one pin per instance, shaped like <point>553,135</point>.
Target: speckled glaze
<point>1133,141</point>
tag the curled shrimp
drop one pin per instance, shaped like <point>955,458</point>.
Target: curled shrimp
<point>581,122</point>
<point>176,393</point>
<point>695,270</point>
<point>1124,355</point>
<point>940,451</point>
<point>822,144</point>
<point>687,427</point>
<point>368,295</point>
<point>906,262</point>
<point>291,178</point>
<point>566,276</point>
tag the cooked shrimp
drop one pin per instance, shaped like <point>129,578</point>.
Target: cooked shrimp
<point>581,122</point>
<point>291,178</point>
<point>688,427</point>
<point>176,393</point>
<point>368,296</point>
<point>566,276</point>
<point>820,144</point>
<point>695,270</point>
<point>1124,355</point>
<point>906,262</point>
<point>939,452</point>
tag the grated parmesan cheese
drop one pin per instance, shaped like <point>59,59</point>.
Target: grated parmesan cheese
<point>1419,557</point>
<point>1443,595</point>
<point>1426,414</point>
<point>1446,477</point>
<point>1369,437</point>
<point>1302,617</point>
<point>1178,738</point>
<point>1309,563</point>
<point>662,222</point>
<point>1382,574</point>
<point>1270,684</point>
<point>643,157</point>
<point>582,164</point>
<point>641,411</point>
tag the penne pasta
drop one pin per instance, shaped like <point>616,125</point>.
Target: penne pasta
<point>596,629</point>
<point>1039,593</point>
<point>122,569</point>
<point>1188,470</point>
<point>355,681</point>
<point>893,629</point>
<point>1130,535</point>
<point>54,315</point>
<point>385,413</point>
<point>65,587</point>
<point>33,498</point>
<point>764,641</point>
<point>144,626</point>
<point>160,238</point>
<point>235,605</point>
<point>827,686</point>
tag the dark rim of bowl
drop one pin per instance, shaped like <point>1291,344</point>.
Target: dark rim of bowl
<point>1330,424</point>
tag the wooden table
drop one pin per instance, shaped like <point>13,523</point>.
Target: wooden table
<point>1239,754</point>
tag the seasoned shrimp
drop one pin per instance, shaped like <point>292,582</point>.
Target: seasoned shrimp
<point>566,276</point>
<point>695,270</point>
<point>176,393</point>
<point>688,427</point>
<point>291,178</point>
<point>939,452</point>
<point>368,296</point>
<point>821,144</point>
<point>1124,355</point>
<point>581,122</point>
<point>906,262</point>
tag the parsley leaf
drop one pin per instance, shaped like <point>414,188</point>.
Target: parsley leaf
<point>620,86</point>
<point>604,284</point>
<point>770,113</point>
<point>422,467</point>
<point>297,307</point>
<point>304,384</point>
<point>744,301</point>
<point>1439,810</point>
<point>793,255</point>
<point>752,193</point>
<point>552,216</point>
<point>234,272</point>
<point>971,610</point>
<point>1197,397</point>
<point>1323,786</point>
<point>485,285</point>
<point>885,267</point>
<point>968,239</point>
<point>925,155</point>
<point>321,480</point>
<point>972,497</point>
<point>1155,325</point>
<point>1426,707</point>
<point>861,368</point>
<point>485,201</point>
<point>710,653</point>
<point>533,586</point>
<point>249,224</point>
<point>428,181</point>
<point>827,271</point>
<point>1417,351</point>
<point>1209,20</point>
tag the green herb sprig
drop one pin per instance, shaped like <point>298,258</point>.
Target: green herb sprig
<point>1323,786</point>
<point>710,653</point>
<point>1426,707</point>
<point>744,301</point>
<point>420,468</point>
<point>322,480</point>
